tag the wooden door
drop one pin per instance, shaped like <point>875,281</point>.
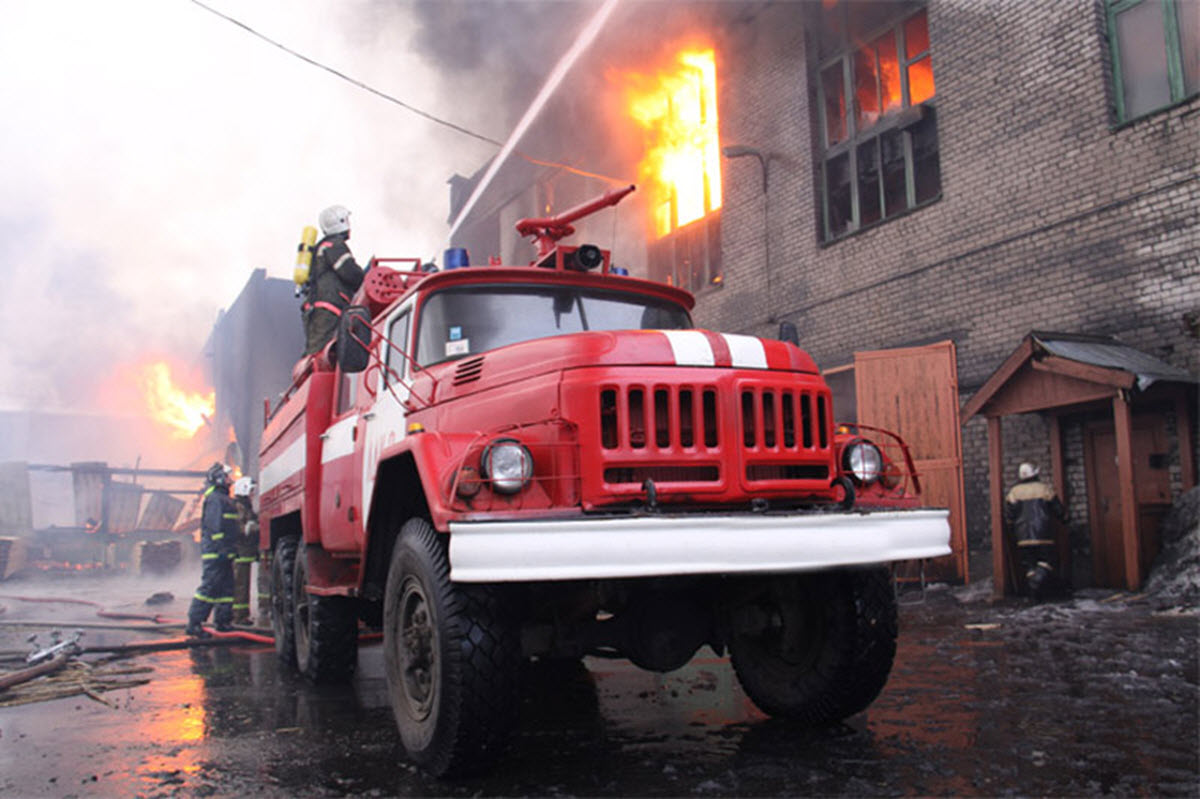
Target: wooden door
<point>1152,490</point>
<point>1104,507</point>
<point>914,392</point>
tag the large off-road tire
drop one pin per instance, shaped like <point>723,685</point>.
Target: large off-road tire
<point>283,612</point>
<point>326,631</point>
<point>453,659</point>
<point>815,648</point>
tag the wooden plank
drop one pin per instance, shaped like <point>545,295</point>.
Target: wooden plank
<point>90,479</point>
<point>1183,431</point>
<point>16,507</point>
<point>124,505</point>
<point>914,392</point>
<point>162,510</point>
<point>994,383</point>
<point>1032,390</point>
<point>1123,422</point>
<point>1084,371</point>
<point>1058,468</point>
<point>996,496</point>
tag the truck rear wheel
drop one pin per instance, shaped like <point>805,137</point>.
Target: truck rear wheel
<point>325,629</point>
<point>453,659</point>
<point>283,567</point>
<point>815,648</point>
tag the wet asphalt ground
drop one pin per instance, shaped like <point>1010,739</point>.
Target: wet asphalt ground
<point>1096,695</point>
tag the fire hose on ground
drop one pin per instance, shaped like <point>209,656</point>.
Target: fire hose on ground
<point>157,623</point>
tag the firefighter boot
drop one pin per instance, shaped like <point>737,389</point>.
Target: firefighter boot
<point>197,613</point>
<point>223,617</point>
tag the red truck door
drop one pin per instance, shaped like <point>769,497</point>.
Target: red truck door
<point>340,509</point>
<point>383,418</point>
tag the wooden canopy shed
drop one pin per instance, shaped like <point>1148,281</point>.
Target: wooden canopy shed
<point>1059,374</point>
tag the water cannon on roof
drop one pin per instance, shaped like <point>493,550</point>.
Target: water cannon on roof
<point>547,231</point>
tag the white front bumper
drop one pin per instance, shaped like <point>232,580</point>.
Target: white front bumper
<point>655,546</point>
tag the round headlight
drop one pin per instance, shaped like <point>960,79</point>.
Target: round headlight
<point>507,465</point>
<point>864,460</point>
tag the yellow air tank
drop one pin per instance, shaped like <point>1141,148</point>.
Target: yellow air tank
<point>308,237</point>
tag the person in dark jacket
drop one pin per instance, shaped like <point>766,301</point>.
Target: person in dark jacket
<point>219,531</point>
<point>1030,509</point>
<point>333,278</point>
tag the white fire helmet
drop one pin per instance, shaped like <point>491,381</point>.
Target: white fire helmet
<point>1027,470</point>
<point>244,487</point>
<point>334,219</point>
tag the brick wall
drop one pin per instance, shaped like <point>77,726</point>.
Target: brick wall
<point>1049,217</point>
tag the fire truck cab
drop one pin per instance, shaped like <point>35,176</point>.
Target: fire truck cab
<point>498,464</point>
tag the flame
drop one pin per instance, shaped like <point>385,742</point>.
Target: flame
<point>677,109</point>
<point>169,405</point>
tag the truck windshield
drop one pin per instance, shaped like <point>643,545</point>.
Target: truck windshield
<point>465,321</point>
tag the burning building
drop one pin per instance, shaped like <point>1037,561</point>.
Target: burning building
<point>935,177</point>
<point>253,347</point>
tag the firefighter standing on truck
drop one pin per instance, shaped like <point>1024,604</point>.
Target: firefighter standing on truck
<point>247,548</point>
<point>333,278</point>
<point>219,531</point>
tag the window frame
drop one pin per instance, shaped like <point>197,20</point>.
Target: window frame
<point>403,316</point>
<point>663,263</point>
<point>1173,53</point>
<point>902,120</point>
<point>347,393</point>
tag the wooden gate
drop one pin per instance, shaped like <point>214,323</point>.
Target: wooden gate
<point>914,392</point>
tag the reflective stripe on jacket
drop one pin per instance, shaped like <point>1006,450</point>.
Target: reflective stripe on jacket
<point>219,527</point>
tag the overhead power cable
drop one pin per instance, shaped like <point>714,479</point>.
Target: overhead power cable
<point>345,77</point>
<point>395,100</point>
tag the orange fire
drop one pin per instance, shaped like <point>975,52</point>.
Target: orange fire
<point>677,109</point>
<point>183,412</point>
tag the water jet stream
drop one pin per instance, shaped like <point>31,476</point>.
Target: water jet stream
<point>585,38</point>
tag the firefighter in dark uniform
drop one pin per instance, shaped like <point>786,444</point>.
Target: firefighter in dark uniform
<point>219,531</point>
<point>247,548</point>
<point>333,278</point>
<point>1029,509</point>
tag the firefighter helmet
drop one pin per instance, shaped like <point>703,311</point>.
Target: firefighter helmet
<point>244,487</point>
<point>1027,471</point>
<point>217,474</point>
<point>334,219</point>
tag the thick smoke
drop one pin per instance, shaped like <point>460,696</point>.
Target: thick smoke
<point>497,53</point>
<point>155,155</point>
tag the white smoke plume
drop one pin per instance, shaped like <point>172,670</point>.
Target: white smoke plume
<point>154,154</point>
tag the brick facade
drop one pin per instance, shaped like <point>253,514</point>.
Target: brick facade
<point>1049,218</point>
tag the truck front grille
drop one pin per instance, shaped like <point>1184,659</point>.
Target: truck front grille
<point>671,417</point>
<point>783,419</point>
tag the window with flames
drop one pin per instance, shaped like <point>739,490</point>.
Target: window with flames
<point>676,109</point>
<point>875,110</point>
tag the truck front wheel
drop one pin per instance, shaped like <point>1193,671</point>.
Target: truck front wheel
<point>283,612</point>
<point>326,631</point>
<point>453,658</point>
<point>815,648</point>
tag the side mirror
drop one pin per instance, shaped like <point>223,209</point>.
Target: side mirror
<point>353,346</point>
<point>788,333</point>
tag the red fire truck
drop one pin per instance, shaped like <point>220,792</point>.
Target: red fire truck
<point>498,464</point>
